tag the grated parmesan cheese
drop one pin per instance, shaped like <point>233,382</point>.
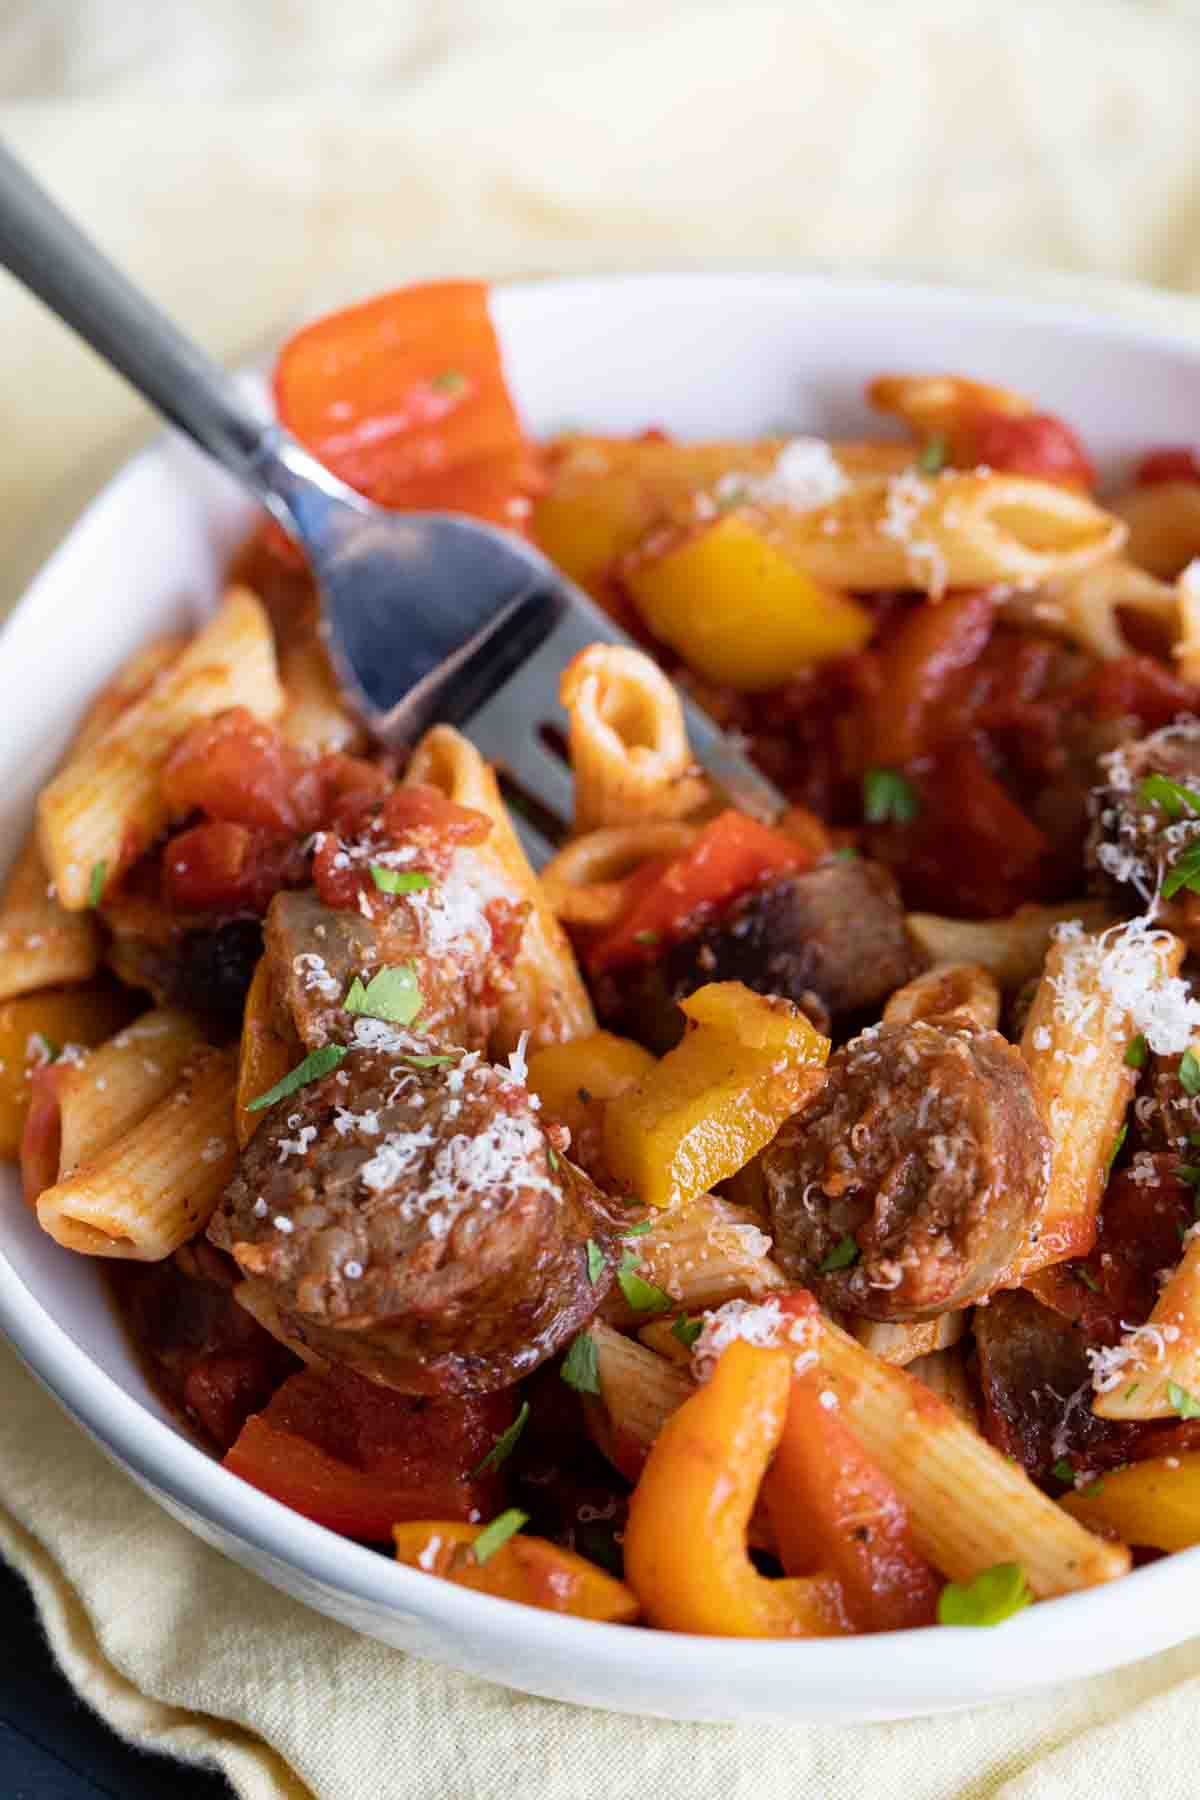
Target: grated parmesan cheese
<point>805,476</point>
<point>1114,984</point>
<point>755,1322</point>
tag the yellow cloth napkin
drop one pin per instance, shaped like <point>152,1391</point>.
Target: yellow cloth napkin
<point>251,163</point>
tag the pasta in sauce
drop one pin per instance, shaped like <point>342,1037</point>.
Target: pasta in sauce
<point>773,1230</point>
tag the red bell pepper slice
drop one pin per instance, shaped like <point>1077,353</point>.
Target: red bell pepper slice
<point>1171,462</point>
<point>732,853</point>
<point>1033,444</point>
<point>404,397</point>
<point>360,1458</point>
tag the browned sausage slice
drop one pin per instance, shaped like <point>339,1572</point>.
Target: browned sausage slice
<point>907,1187</point>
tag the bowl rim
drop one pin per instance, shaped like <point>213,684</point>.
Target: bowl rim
<point>166,1459</point>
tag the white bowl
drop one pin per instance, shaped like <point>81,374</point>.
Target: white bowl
<point>700,355</point>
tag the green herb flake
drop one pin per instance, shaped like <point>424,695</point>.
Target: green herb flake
<point>1183,873</point>
<point>1116,1150</point>
<point>393,995</point>
<point>641,1295</point>
<point>1136,1054</point>
<point>1171,796</point>
<point>502,1527</point>
<point>316,1063</point>
<point>1063,1471</point>
<point>934,454</point>
<point>504,1445</point>
<point>647,937</point>
<point>994,1595</point>
<point>640,1229</point>
<point>400,881</point>
<point>1088,1279</point>
<point>1132,1389</point>
<point>1093,1487</point>
<point>841,1256</point>
<point>889,795</point>
<point>687,1330</point>
<point>96,883</point>
<point>1185,1404</point>
<point>427,1060</point>
<point>1189,1173</point>
<point>449,381</point>
<point>581,1366</point>
<point>50,1050</point>
<point>597,1262</point>
<point>845,853</point>
<point>1189,1072</point>
<point>552,1156</point>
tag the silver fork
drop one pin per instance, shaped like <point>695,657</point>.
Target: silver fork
<point>427,616</point>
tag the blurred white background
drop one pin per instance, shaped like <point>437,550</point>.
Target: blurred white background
<point>252,159</point>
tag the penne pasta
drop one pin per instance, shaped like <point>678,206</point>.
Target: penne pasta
<point>945,407</point>
<point>315,717</point>
<point>1186,650</point>
<point>1012,950</point>
<point>1155,1369</point>
<point>42,1029</point>
<point>267,1049</point>
<point>971,1508</point>
<point>1074,1041</point>
<point>1086,606</point>
<point>956,992</point>
<point>590,880</point>
<point>906,1341</point>
<point>104,808</point>
<point>639,1391</point>
<point>627,742</point>
<point>80,1108</point>
<point>41,944</point>
<point>549,1000</point>
<point>703,1254</point>
<point>945,1373</point>
<point>157,1185</point>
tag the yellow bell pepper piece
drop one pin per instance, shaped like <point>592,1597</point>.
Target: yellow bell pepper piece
<point>1155,1503</point>
<point>685,1539</point>
<point>737,608</point>
<point>746,1064</point>
<point>35,1027</point>
<point>529,1569</point>
<point>572,1080</point>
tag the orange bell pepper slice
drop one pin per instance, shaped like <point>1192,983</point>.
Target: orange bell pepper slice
<point>832,1507</point>
<point>404,397</point>
<point>732,853</point>
<point>685,1540</point>
<point>529,1569</point>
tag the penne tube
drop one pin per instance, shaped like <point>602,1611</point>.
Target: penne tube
<point>1163,521</point>
<point>41,944</point>
<point>971,1508</point>
<point>80,1108</point>
<point>946,407</point>
<point>1012,950</point>
<point>1187,647</point>
<point>639,1391</point>
<point>591,880</point>
<point>959,993</point>
<point>1074,1041</point>
<point>43,1029</point>
<point>549,999</point>
<point>703,1254</point>
<point>105,807</point>
<point>905,1341</point>
<point>156,1186</point>
<point>133,679</point>
<point>315,717</point>
<point>267,1049</point>
<point>1085,606</point>
<point>945,1372</point>
<point>627,742</point>
<point>1155,1369</point>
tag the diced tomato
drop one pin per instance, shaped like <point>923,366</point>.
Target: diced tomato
<point>404,397</point>
<point>920,661</point>
<point>239,768</point>
<point>1138,685</point>
<point>1173,462</point>
<point>410,815</point>
<point>1033,444</point>
<point>732,853</point>
<point>360,1458</point>
<point>221,867</point>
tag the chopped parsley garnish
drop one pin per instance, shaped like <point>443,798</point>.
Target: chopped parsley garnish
<point>581,1366</point>
<point>450,381</point>
<point>686,1330</point>
<point>1185,1404</point>
<point>316,1063</point>
<point>640,1295</point>
<point>1132,1389</point>
<point>552,1156</point>
<point>1063,1471</point>
<point>1174,799</point>
<point>504,1445</point>
<point>1088,1279</point>
<point>932,459</point>
<point>502,1527</point>
<point>430,1059</point>
<point>597,1262</point>
<point>96,883</point>
<point>845,853</point>
<point>1116,1150</point>
<point>1136,1054</point>
<point>393,995</point>
<point>994,1595</point>
<point>1189,1173</point>
<point>1183,873</point>
<point>647,937</point>
<point>50,1050</point>
<point>1093,1487</point>
<point>1189,1072</point>
<point>841,1256</point>
<point>399,881</point>
<point>640,1229</point>
<point>887,794</point>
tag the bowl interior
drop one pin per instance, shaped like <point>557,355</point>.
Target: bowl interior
<point>700,356</point>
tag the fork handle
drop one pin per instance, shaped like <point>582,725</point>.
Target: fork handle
<point>48,252</point>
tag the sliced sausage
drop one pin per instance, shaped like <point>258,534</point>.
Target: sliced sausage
<point>1135,838</point>
<point>416,1223</point>
<point>907,1186</point>
<point>833,940</point>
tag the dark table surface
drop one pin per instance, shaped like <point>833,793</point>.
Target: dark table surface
<point>53,1747</point>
